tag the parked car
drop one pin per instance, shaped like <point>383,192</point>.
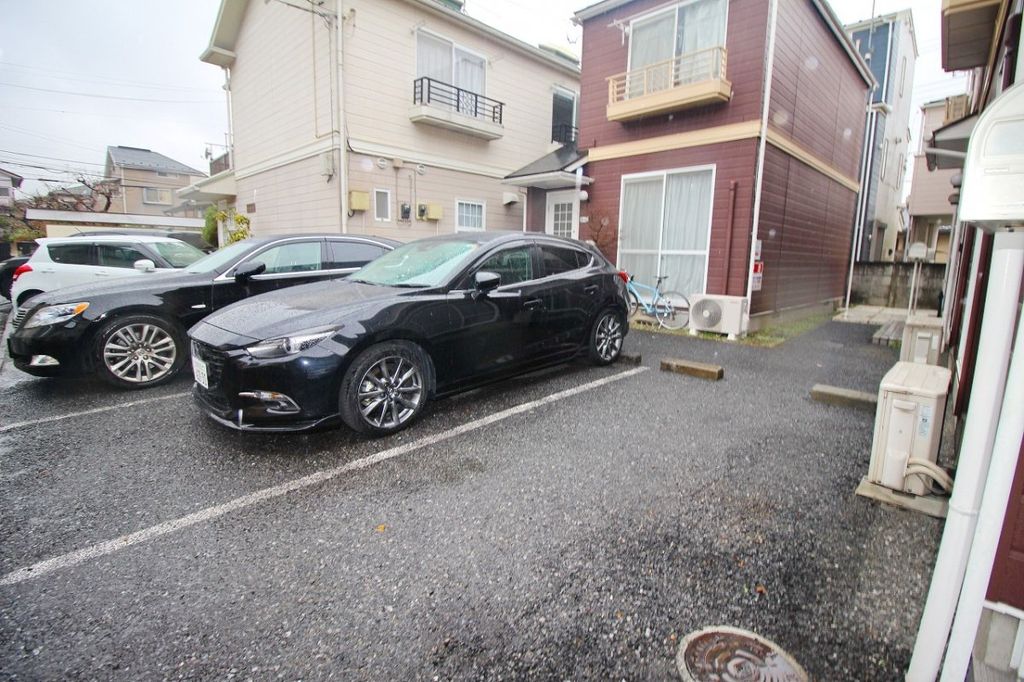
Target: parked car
<point>70,261</point>
<point>131,333</point>
<point>7,268</point>
<point>430,318</point>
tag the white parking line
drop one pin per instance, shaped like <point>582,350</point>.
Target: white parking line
<point>109,546</point>
<point>83,413</point>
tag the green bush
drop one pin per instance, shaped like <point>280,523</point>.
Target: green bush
<point>210,226</point>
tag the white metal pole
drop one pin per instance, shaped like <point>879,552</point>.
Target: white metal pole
<point>913,288</point>
<point>994,341</point>
<point>990,518</point>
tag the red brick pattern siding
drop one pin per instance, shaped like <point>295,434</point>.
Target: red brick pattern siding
<point>1007,583</point>
<point>606,54</point>
<point>805,229</point>
<point>733,160</point>
<point>818,98</point>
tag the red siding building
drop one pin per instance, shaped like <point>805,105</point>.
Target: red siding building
<point>719,133</point>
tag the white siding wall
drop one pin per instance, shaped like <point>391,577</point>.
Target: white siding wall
<point>290,199</point>
<point>435,186</point>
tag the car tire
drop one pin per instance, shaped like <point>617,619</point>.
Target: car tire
<point>25,295</point>
<point>606,337</point>
<point>385,388</point>
<point>138,351</point>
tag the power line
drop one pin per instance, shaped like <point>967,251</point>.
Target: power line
<point>51,158</point>
<point>101,79</point>
<point>51,138</point>
<point>68,111</point>
<point>129,99</point>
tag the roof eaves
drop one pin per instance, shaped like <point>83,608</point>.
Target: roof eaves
<point>221,50</point>
<point>836,26</point>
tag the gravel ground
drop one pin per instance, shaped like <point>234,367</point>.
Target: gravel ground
<point>580,540</point>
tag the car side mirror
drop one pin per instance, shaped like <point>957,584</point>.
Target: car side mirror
<point>247,271</point>
<point>484,282</point>
<point>144,265</point>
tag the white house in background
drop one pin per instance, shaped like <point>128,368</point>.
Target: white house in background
<point>147,181</point>
<point>8,183</point>
<point>392,117</point>
<point>889,46</point>
<point>931,214</point>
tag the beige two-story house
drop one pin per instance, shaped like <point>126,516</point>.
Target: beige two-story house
<point>148,181</point>
<point>392,117</point>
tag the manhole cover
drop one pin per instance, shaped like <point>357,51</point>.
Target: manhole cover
<point>725,654</point>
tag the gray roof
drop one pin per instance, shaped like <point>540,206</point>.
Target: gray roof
<point>560,159</point>
<point>145,159</point>
<point>15,178</point>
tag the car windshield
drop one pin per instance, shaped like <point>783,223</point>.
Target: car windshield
<point>419,264</point>
<point>218,259</point>
<point>178,254</point>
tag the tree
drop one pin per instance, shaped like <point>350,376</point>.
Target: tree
<point>88,195</point>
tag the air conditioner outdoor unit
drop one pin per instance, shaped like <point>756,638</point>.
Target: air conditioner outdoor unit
<point>719,314</point>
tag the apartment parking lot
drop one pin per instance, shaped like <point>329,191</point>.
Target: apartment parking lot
<point>572,524</point>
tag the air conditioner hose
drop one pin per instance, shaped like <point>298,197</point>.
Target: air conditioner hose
<point>933,471</point>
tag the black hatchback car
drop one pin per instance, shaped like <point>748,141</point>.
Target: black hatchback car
<point>430,318</point>
<point>132,333</point>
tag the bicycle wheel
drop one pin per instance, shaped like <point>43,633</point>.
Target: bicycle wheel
<point>672,310</point>
<point>632,305</point>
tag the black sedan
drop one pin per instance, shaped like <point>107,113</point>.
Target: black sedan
<point>132,333</point>
<point>430,318</point>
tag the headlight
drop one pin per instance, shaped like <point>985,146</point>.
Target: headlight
<point>287,345</point>
<point>55,314</point>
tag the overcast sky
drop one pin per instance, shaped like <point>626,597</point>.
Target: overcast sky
<point>78,75</point>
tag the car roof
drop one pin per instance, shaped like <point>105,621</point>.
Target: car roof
<point>43,241</point>
<point>264,239</point>
<point>498,237</point>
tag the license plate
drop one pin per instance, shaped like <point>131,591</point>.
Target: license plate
<point>200,373</point>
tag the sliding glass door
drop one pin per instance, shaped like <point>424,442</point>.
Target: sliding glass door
<point>665,227</point>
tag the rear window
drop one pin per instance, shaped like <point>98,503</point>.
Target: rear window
<point>343,254</point>
<point>558,259</point>
<point>178,254</point>
<point>71,254</point>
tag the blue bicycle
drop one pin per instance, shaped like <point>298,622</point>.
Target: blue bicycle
<point>670,308</point>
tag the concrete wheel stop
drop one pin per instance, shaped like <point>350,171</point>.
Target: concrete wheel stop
<point>723,653</point>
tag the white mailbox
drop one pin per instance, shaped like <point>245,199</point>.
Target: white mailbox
<point>994,168</point>
<point>908,425</point>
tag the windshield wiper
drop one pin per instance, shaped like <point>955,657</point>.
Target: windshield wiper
<point>408,285</point>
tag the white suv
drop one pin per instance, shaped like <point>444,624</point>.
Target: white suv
<point>69,261</point>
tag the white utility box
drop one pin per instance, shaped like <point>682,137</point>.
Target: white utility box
<point>908,424</point>
<point>922,339</point>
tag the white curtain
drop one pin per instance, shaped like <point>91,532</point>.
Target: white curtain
<point>701,25</point>
<point>650,42</point>
<point>639,228</point>
<point>433,58</point>
<point>470,76</point>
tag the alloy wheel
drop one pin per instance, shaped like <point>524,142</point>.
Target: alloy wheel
<point>140,353</point>
<point>608,337</point>
<point>390,392</point>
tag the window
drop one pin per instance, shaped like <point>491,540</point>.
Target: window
<point>563,116</point>
<point>469,215</point>
<point>5,191</point>
<point>664,227</point>
<point>900,172</point>
<point>382,205</point>
<point>178,254</point>
<point>444,61</point>
<point>155,195</point>
<point>676,44</point>
<point>884,160</point>
<point>903,75</point>
<point>512,265</point>
<point>344,254</point>
<point>164,174</point>
<point>291,257</point>
<point>559,259</point>
<point>118,255</point>
<point>72,254</point>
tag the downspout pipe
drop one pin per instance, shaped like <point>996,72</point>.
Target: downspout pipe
<point>766,93</point>
<point>339,103</point>
<point>990,517</point>
<point>728,234</point>
<point>994,342</point>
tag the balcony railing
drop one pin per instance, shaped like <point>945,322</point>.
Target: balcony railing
<point>685,80</point>
<point>436,93</point>
<point>564,133</point>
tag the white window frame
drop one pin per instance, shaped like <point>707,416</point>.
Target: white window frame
<point>376,217</point>
<point>454,46</point>
<point>675,35</point>
<point>483,215</point>
<point>663,174</point>
<point>146,190</point>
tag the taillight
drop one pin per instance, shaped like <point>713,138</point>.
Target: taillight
<point>21,270</point>
<point>624,276</point>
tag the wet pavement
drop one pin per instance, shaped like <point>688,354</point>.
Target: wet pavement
<point>583,538</point>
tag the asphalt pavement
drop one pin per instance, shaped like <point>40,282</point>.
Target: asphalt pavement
<point>579,537</point>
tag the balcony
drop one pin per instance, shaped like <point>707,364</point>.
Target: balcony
<point>688,80</point>
<point>447,106</point>
<point>564,133</point>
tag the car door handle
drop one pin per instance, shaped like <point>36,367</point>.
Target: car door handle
<point>102,274</point>
<point>591,289</point>
<point>533,304</point>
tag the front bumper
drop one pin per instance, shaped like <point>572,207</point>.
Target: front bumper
<point>307,385</point>
<point>66,343</point>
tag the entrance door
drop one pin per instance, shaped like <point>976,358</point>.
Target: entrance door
<point>560,216</point>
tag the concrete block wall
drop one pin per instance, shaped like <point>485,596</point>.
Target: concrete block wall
<point>888,284</point>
